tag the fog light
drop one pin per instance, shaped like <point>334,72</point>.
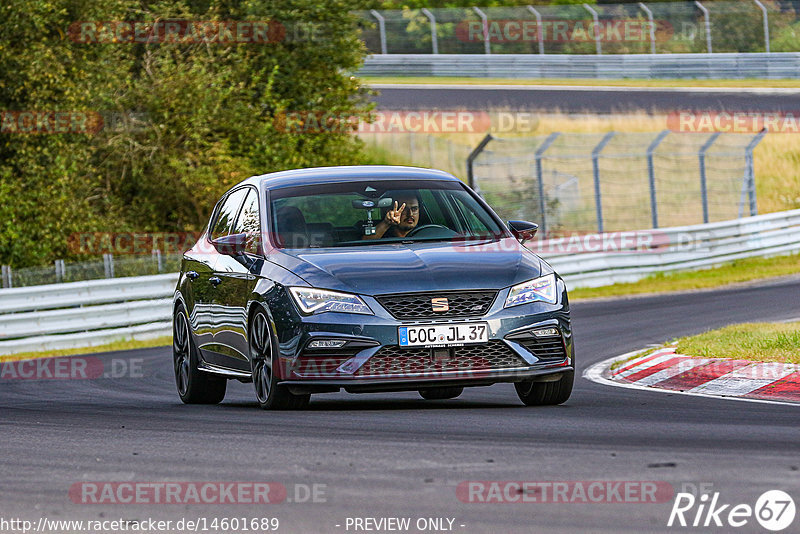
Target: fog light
<point>546,332</point>
<point>326,344</point>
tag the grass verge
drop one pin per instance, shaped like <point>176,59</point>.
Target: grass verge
<point>763,342</point>
<point>745,270</point>
<point>162,341</point>
<point>788,83</point>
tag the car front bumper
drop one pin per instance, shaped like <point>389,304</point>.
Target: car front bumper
<point>371,359</point>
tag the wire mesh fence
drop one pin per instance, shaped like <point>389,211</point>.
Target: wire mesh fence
<point>618,181</point>
<point>611,181</point>
<point>422,150</point>
<point>630,28</point>
<point>109,267</point>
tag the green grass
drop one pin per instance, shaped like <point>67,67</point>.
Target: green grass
<point>162,341</point>
<point>790,83</point>
<point>745,270</point>
<point>764,342</point>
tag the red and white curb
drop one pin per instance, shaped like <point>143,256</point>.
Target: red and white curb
<point>707,377</point>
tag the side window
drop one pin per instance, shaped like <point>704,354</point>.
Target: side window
<point>227,214</point>
<point>249,222</point>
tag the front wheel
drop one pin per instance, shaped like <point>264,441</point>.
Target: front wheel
<point>194,386</point>
<point>263,362</point>
<point>546,393</point>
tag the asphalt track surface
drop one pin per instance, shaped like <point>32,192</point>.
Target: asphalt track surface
<point>399,456</point>
<point>586,99</point>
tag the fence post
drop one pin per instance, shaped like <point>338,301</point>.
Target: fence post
<point>60,270</point>
<point>434,37</point>
<point>487,47</point>
<point>598,199</point>
<point>540,179</point>
<point>652,26</point>
<point>158,259</point>
<point>539,29</point>
<point>766,24</point>
<point>381,29</point>
<point>750,171</point>
<point>471,158</point>
<point>707,18</point>
<point>596,18</point>
<point>703,188</point>
<point>6,275</point>
<point>651,174</point>
<point>108,265</point>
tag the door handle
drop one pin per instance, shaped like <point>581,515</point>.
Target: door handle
<point>192,275</point>
<point>215,280</point>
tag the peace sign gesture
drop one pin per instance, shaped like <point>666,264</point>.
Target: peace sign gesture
<point>393,216</point>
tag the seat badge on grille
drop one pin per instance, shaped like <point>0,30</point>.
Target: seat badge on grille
<point>440,304</point>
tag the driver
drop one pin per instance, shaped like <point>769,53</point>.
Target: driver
<point>399,220</point>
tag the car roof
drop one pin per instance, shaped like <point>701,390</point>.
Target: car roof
<point>356,173</point>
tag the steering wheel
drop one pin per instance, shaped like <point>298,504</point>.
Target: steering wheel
<point>427,227</point>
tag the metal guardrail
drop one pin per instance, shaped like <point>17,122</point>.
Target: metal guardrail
<point>90,313</point>
<point>678,248</point>
<point>81,314</point>
<point>642,66</point>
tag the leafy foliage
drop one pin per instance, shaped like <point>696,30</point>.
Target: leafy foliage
<point>184,119</point>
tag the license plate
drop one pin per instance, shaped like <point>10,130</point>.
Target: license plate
<point>442,335</point>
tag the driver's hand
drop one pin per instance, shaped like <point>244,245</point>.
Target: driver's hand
<point>393,216</point>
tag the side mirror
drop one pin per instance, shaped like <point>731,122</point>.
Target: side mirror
<point>231,245</point>
<point>523,230</point>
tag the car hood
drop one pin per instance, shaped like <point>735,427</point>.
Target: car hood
<point>407,267</point>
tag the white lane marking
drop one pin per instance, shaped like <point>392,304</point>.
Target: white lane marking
<point>595,374</point>
<point>681,367</point>
<point>614,88</point>
<point>643,366</point>
<point>746,379</point>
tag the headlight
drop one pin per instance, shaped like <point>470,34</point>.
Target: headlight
<point>543,289</point>
<point>312,300</point>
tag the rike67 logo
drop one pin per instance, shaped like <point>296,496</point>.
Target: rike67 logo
<point>774,510</point>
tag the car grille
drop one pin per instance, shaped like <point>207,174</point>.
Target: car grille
<point>419,306</point>
<point>393,360</point>
<point>548,349</point>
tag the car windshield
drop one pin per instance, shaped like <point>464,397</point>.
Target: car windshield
<point>377,212</point>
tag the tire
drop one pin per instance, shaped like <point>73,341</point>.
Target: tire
<point>441,393</point>
<point>546,393</point>
<point>194,386</point>
<point>269,393</point>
